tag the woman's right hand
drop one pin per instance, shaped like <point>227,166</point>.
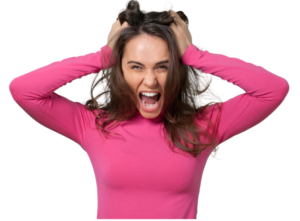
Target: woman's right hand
<point>182,33</point>
<point>114,32</point>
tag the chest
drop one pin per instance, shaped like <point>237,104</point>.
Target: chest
<point>141,159</point>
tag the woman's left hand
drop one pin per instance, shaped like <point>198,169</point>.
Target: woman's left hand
<point>182,33</point>
<point>115,31</point>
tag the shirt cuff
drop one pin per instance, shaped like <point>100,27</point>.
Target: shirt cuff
<point>107,52</point>
<point>188,54</point>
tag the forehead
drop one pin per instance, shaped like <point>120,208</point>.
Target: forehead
<point>146,49</point>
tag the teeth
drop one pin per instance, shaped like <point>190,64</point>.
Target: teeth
<point>151,94</point>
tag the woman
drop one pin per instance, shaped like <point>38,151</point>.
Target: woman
<point>140,173</point>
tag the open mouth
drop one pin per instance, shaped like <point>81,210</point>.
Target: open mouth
<point>150,100</point>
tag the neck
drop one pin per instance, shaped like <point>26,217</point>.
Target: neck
<point>158,118</point>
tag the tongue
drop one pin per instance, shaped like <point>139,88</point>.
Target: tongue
<point>149,100</point>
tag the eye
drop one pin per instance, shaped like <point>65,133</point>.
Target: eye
<point>164,67</point>
<point>133,67</point>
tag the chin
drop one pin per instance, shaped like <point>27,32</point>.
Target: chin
<point>149,115</point>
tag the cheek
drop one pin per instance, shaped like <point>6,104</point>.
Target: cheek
<point>132,80</point>
<point>162,81</point>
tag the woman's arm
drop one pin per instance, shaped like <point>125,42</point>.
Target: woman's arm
<point>265,91</point>
<point>34,93</point>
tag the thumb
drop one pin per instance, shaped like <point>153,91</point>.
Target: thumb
<point>125,24</point>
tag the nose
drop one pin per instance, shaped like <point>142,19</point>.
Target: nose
<point>150,79</point>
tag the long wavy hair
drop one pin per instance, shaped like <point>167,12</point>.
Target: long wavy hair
<point>180,111</point>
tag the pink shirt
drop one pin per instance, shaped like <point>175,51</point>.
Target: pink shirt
<point>139,176</point>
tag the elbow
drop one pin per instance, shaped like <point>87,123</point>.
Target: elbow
<point>283,90</point>
<point>286,87</point>
<point>14,89</point>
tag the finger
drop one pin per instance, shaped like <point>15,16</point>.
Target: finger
<point>175,22</point>
<point>172,14</point>
<point>125,24</point>
<point>178,19</point>
<point>174,27</point>
<point>178,25</point>
<point>117,22</point>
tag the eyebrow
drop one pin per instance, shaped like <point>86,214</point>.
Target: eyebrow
<point>161,62</point>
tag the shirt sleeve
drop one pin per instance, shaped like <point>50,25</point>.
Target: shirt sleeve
<point>34,93</point>
<point>265,91</point>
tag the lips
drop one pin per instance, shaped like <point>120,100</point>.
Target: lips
<point>148,108</point>
<point>158,97</point>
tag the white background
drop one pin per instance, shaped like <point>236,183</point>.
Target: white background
<point>45,176</point>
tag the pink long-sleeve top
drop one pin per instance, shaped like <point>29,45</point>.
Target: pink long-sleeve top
<point>139,176</point>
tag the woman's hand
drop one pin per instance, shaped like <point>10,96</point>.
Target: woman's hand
<point>115,31</point>
<point>182,33</point>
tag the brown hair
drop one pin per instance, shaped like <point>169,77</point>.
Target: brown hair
<point>179,109</point>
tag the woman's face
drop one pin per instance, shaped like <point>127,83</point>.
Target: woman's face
<point>145,68</point>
